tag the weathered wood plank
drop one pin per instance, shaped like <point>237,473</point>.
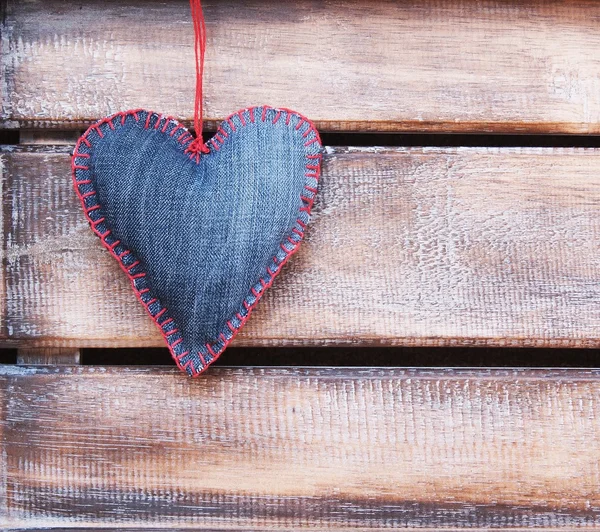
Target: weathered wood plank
<point>418,246</point>
<point>300,448</point>
<point>5,228</point>
<point>358,65</point>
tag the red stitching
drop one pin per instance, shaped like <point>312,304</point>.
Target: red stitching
<point>299,124</point>
<point>98,130</point>
<point>111,247</point>
<point>179,126</point>
<point>185,366</point>
<point>185,353</point>
<point>147,121</point>
<point>264,113</point>
<point>111,125</point>
<point>202,359</point>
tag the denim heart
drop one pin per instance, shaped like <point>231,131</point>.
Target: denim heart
<point>201,236</point>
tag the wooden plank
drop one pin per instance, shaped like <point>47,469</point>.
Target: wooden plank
<point>298,448</point>
<point>5,227</point>
<point>358,65</point>
<point>417,246</point>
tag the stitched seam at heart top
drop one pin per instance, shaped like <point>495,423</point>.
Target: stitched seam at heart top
<point>194,363</point>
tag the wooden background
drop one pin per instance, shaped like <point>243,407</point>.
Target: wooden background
<point>412,245</point>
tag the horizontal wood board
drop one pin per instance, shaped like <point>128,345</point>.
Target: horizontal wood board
<point>299,448</point>
<point>475,66</point>
<point>409,246</point>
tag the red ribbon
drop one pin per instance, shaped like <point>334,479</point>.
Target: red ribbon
<point>199,48</point>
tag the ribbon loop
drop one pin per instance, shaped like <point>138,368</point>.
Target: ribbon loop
<point>199,47</point>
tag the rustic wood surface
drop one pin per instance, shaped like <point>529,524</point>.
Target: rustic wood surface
<point>419,246</point>
<point>420,65</point>
<point>299,448</point>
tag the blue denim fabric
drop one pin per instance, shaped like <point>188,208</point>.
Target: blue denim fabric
<point>201,239</point>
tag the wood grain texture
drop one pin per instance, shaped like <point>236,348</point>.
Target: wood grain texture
<point>5,230</point>
<point>418,246</point>
<point>300,448</point>
<point>349,65</point>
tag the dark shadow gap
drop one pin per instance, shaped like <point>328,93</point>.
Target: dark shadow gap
<point>458,140</point>
<point>8,356</point>
<point>362,356</point>
<point>9,136</point>
<point>468,140</point>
